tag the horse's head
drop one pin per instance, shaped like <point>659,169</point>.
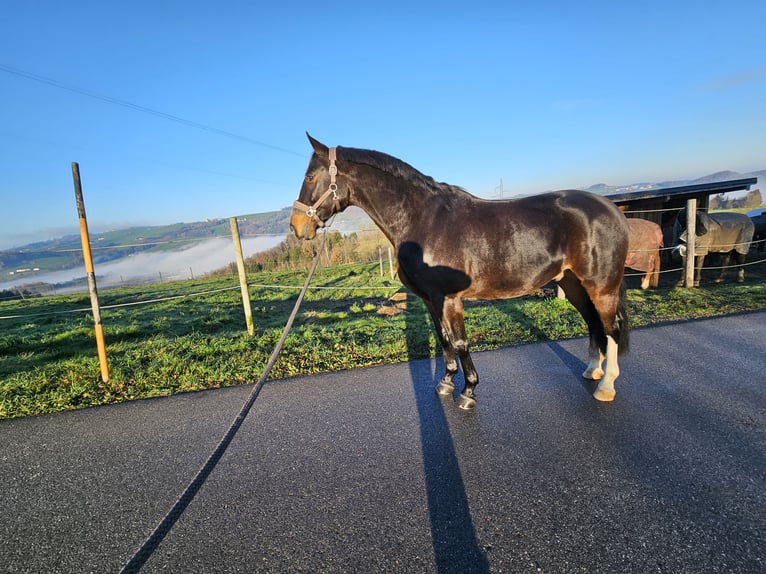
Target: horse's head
<point>681,232</point>
<point>322,193</point>
<point>702,224</point>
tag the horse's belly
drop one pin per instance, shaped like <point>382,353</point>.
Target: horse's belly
<point>499,285</point>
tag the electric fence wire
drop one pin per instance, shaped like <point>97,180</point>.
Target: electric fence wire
<point>143,109</point>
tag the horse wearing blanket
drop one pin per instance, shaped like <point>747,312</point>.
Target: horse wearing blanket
<point>452,246</point>
<point>724,233</point>
<point>645,240</point>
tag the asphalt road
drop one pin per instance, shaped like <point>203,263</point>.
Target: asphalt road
<point>369,471</point>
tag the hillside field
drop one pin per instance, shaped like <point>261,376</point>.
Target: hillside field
<point>190,336</point>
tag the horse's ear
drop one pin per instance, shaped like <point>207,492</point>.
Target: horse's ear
<point>319,147</point>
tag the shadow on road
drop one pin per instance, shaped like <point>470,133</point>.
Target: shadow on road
<point>574,363</point>
<point>452,531</point>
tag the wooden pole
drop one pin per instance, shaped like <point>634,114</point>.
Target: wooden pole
<point>88,257</point>
<point>242,274</point>
<point>691,236</point>
<point>390,263</point>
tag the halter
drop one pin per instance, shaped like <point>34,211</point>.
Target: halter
<point>311,211</point>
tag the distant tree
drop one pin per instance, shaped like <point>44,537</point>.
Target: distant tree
<point>718,201</point>
<point>753,199</point>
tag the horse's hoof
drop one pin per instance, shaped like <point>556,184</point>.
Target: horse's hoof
<point>466,403</point>
<point>604,395</point>
<point>593,374</point>
<point>445,389</point>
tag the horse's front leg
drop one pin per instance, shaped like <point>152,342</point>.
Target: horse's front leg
<point>725,260</point>
<point>699,260</point>
<point>446,386</point>
<point>453,330</point>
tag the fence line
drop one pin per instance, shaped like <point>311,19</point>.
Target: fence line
<point>732,246</point>
<point>154,243</point>
<point>197,294</point>
<point>293,287</point>
<point>655,210</point>
<point>713,268</point>
<point>322,288</point>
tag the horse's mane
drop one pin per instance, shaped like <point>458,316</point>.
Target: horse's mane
<point>396,168</point>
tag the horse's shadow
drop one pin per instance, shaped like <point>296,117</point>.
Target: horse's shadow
<point>452,532</point>
<point>574,364</point>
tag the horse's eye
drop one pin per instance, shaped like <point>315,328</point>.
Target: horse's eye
<point>310,178</point>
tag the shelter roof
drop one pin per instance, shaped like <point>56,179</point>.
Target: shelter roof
<point>684,191</point>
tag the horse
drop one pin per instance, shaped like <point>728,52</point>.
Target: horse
<point>724,233</point>
<point>644,242</point>
<point>452,246</point>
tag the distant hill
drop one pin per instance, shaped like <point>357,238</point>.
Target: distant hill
<point>65,252</point>
<point>604,189</point>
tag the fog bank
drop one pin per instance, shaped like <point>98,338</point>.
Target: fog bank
<point>193,261</point>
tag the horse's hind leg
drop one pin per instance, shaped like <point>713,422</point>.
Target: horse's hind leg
<point>655,276</point>
<point>604,314</point>
<point>579,298</point>
<point>741,263</point>
<point>611,309</point>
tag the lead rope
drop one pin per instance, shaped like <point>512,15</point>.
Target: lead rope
<point>153,541</point>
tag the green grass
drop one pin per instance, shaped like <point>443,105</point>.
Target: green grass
<point>198,340</point>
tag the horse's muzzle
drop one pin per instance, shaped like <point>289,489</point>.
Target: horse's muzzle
<point>302,225</point>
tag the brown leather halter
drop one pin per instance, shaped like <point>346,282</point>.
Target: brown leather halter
<point>311,210</point>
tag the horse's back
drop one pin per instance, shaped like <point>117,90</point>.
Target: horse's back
<point>513,247</point>
<point>735,232</point>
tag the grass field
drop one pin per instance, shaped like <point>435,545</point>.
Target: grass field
<point>189,336</point>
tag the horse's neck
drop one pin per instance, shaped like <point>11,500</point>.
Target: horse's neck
<point>393,210</point>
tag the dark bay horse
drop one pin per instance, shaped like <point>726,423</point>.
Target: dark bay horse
<point>452,246</point>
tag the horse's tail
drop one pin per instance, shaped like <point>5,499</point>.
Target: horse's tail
<point>622,322</point>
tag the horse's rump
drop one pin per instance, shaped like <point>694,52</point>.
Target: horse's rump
<point>645,239</point>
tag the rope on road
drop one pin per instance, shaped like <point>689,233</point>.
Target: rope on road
<point>141,555</point>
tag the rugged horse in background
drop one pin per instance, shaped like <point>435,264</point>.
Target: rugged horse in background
<point>644,250</point>
<point>725,233</point>
<point>452,246</point>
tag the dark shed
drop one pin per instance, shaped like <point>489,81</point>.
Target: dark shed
<point>660,205</point>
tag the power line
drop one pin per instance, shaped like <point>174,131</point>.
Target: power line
<point>126,104</point>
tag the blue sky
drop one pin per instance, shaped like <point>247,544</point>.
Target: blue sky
<point>540,95</point>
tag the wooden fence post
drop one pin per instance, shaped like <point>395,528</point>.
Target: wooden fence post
<point>88,258</point>
<point>242,275</point>
<point>691,236</point>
